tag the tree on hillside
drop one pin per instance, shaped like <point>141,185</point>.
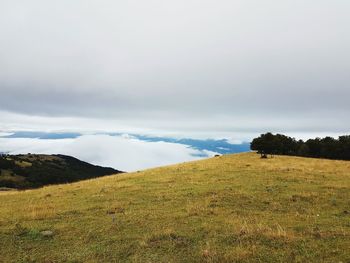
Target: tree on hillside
<point>344,146</point>
<point>327,147</point>
<point>264,145</point>
<point>256,145</point>
<point>314,146</point>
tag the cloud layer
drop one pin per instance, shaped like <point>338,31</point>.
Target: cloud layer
<point>189,66</point>
<point>120,152</point>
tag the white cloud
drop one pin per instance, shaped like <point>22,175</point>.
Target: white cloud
<point>5,133</point>
<point>120,152</point>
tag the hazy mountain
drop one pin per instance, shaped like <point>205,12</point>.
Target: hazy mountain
<point>34,170</point>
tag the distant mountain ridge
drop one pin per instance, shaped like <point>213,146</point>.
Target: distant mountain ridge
<point>222,146</point>
<point>26,171</point>
<point>43,135</point>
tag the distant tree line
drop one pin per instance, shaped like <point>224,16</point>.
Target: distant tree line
<point>328,147</point>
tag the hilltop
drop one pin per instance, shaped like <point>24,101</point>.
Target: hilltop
<point>25,171</point>
<point>233,208</point>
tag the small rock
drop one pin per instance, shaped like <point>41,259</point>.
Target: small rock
<point>46,233</point>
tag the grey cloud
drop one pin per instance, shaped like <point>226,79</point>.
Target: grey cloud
<point>179,65</point>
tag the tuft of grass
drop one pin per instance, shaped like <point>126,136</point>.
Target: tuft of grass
<point>41,211</point>
<point>233,208</point>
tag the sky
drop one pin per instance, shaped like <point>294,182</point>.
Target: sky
<point>190,69</point>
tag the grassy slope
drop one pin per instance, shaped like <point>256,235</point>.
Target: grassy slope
<point>230,208</point>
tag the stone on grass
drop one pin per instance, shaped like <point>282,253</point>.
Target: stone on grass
<point>46,233</point>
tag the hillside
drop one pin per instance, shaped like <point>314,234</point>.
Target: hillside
<point>35,170</point>
<point>233,208</point>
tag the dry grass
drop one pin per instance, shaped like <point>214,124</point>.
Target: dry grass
<point>23,164</point>
<point>235,208</point>
<point>41,211</point>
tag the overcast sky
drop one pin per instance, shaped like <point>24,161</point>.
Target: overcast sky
<point>202,68</point>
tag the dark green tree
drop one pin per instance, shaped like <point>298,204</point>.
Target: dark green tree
<point>327,147</point>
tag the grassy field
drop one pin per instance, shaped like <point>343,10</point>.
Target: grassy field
<point>234,208</point>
